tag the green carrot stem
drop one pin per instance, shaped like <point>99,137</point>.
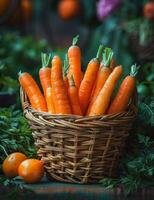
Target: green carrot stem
<point>75,40</point>
<point>107,57</point>
<point>99,52</point>
<point>134,70</point>
<point>45,59</point>
<point>66,65</point>
<point>20,73</point>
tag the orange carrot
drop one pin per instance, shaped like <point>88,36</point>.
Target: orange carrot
<point>74,57</point>
<point>74,99</point>
<point>45,72</point>
<point>45,78</point>
<point>127,87</point>
<point>112,63</point>
<point>60,97</point>
<point>102,101</point>
<point>66,82</point>
<point>33,92</point>
<point>88,81</point>
<point>102,76</point>
<point>49,100</point>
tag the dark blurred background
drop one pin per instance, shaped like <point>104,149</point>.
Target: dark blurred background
<point>29,27</point>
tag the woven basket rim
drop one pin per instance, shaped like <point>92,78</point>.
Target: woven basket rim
<point>28,109</point>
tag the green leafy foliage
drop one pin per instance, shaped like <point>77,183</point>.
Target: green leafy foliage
<point>14,189</point>
<point>147,113</point>
<point>18,54</point>
<point>138,169</point>
<point>145,84</point>
<point>9,84</point>
<point>137,165</point>
<point>14,181</point>
<point>15,134</point>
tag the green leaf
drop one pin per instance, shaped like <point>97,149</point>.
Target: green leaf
<point>145,140</point>
<point>146,113</point>
<point>15,133</point>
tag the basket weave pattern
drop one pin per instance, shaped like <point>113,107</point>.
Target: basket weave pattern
<point>79,149</point>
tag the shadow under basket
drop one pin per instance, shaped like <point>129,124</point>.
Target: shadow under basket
<point>79,149</point>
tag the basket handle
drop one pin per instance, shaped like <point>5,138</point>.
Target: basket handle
<point>24,100</point>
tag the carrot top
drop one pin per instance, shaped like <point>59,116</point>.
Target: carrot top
<point>45,59</point>
<point>75,40</point>
<point>65,66</point>
<point>107,56</point>
<point>20,73</point>
<point>99,52</point>
<point>134,70</point>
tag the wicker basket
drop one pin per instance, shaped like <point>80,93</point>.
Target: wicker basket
<point>79,149</point>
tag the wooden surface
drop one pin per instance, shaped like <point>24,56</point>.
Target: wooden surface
<point>53,190</point>
<point>64,191</point>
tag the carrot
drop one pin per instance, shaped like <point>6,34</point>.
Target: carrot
<point>33,92</point>
<point>45,72</point>
<point>65,72</point>
<point>60,97</point>
<point>102,76</point>
<point>89,80</point>
<point>66,82</point>
<point>73,96</point>
<point>127,87</point>
<point>102,101</point>
<point>74,57</point>
<point>49,100</point>
<point>112,63</point>
<point>45,78</point>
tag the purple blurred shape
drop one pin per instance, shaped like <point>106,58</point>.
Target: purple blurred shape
<point>105,7</point>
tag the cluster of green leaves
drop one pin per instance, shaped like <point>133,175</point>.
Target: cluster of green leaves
<point>18,54</point>
<point>137,164</point>
<point>13,189</point>
<point>137,168</point>
<point>145,84</point>
<point>15,134</point>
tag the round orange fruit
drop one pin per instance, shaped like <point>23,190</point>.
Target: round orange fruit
<point>11,164</point>
<point>31,170</point>
<point>148,10</point>
<point>68,9</point>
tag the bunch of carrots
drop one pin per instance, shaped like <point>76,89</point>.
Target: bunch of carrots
<point>67,90</point>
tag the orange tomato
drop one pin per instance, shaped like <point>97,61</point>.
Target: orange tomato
<point>68,8</point>
<point>11,164</point>
<point>148,10</point>
<point>31,170</point>
<point>26,8</point>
